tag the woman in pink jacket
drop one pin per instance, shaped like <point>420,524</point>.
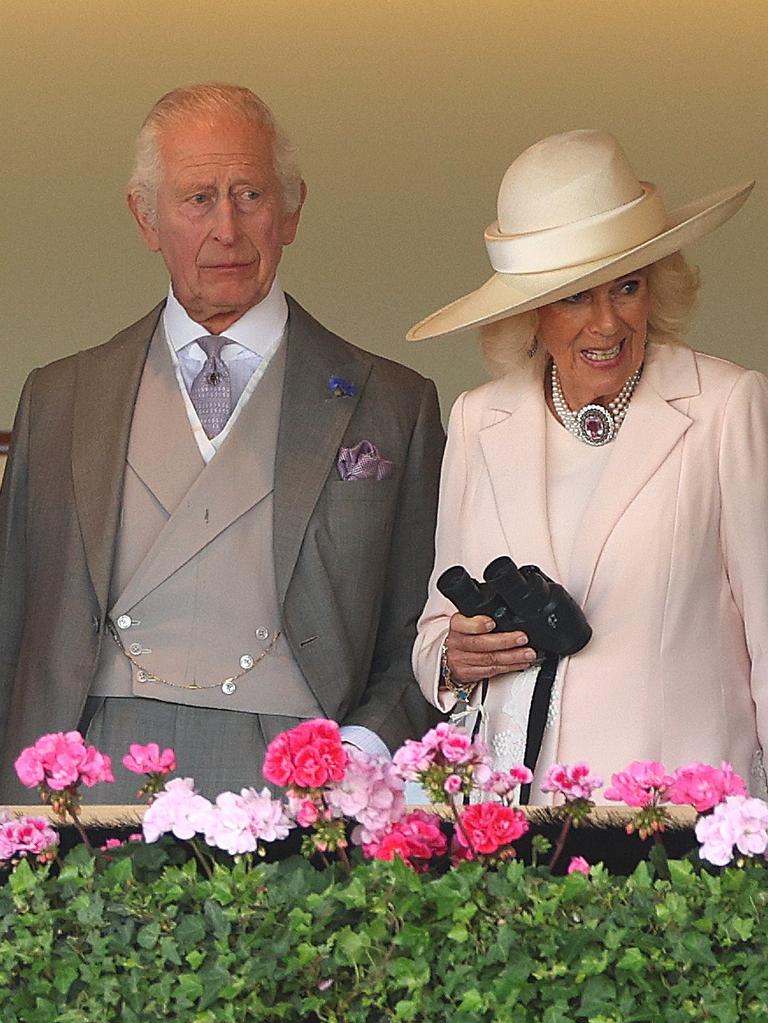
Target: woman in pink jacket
<point>626,466</point>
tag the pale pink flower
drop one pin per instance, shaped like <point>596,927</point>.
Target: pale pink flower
<point>644,782</point>
<point>578,865</point>
<point>739,821</point>
<point>149,760</point>
<point>702,786</point>
<point>236,823</point>
<point>177,809</point>
<point>26,835</point>
<point>571,782</point>
<point>504,783</point>
<point>372,793</point>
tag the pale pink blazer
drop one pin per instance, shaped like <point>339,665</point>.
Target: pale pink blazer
<point>670,564</point>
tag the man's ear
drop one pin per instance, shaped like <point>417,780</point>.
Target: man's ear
<point>147,226</point>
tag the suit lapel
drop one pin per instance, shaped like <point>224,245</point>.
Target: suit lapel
<point>312,425</point>
<point>239,477</point>
<point>107,381</point>
<point>162,450</point>
<point>513,444</point>
<point>648,435</point>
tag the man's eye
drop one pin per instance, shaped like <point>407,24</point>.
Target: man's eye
<point>580,296</point>
<point>199,199</point>
<point>250,194</point>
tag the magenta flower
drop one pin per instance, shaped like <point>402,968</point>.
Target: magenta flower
<point>26,835</point>
<point>61,760</point>
<point>643,783</point>
<point>571,782</point>
<point>149,760</point>
<point>702,786</point>
<point>578,865</point>
<point>307,756</point>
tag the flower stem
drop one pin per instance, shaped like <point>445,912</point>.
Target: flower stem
<point>560,842</point>
<point>78,824</point>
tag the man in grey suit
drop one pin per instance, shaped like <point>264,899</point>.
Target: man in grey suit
<point>220,522</point>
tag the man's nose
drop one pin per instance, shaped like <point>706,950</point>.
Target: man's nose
<point>225,226</point>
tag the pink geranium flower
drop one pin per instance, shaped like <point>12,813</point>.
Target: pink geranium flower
<point>703,786</point>
<point>578,865</point>
<point>61,760</point>
<point>574,782</point>
<point>739,822</point>
<point>307,757</point>
<point>371,793</point>
<point>643,783</point>
<point>415,839</point>
<point>149,760</point>
<point>26,835</point>
<point>237,823</point>
<point>178,810</point>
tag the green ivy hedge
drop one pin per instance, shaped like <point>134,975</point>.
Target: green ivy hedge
<point>141,938</point>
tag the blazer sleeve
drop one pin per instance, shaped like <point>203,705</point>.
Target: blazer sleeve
<point>433,624</point>
<point>13,556</point>
<point>743,476</point>
<point>409,562</point>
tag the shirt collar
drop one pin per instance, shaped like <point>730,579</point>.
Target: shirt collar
<point>258,329</point>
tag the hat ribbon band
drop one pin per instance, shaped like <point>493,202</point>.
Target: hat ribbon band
<point>583,241</point>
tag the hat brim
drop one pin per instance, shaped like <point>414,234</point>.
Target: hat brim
<point>509,294</point>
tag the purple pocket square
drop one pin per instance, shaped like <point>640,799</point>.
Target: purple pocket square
<point>363,462</point>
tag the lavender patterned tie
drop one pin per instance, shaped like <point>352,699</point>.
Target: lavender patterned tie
<point>211,391</point>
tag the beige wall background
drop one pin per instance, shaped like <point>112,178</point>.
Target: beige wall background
<point>407,113</point>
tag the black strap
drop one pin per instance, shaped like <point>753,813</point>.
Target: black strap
<point>537,718</point>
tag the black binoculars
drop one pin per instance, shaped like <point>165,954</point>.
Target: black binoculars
<point>520,599</point>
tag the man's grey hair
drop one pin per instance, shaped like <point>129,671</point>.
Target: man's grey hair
<point>209,100</point>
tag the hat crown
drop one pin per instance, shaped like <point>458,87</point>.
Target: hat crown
<point>563,179</point>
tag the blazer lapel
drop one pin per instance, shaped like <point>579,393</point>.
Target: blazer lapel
<point>652,429</point>
<point>106,385</point>
<point>513,444</point>
<point>240,475</point>
<point>312,425</point>
<point>162,450</point>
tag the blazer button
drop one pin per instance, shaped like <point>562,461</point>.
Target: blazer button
<point>246,662</point>
<point>262,633</point>
<point>124,622</point>
<point>228,687</point>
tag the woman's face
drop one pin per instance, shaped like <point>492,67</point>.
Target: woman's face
<point>597,337</point>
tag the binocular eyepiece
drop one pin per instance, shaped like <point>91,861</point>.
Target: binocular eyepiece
<point>520,599</point>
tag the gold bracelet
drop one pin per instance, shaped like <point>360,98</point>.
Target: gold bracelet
<point>462,691</point>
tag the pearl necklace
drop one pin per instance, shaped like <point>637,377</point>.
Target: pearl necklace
<point>594,424</point>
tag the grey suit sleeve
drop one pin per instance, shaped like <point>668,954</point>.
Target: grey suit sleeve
<point>392,705</point>
<point>13,528</point>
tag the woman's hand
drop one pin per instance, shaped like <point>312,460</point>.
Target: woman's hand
<point>474,651</point>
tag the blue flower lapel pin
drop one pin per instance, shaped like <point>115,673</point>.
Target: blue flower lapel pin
<point>338,387</point>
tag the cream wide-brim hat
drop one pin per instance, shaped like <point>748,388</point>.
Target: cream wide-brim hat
<point>573,215</point>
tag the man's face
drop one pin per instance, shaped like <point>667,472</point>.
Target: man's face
<point>220,223</point>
